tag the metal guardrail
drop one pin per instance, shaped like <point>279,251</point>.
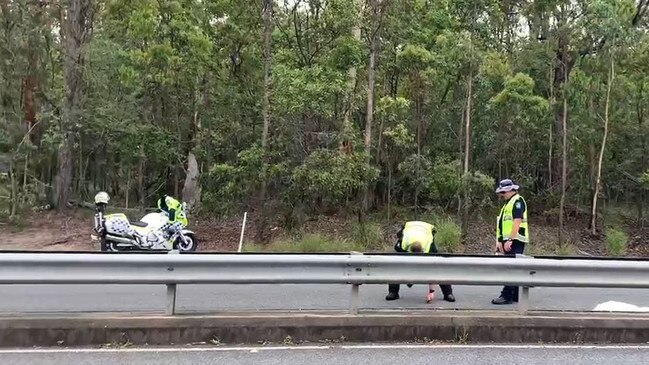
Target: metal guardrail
<point>354,269</point>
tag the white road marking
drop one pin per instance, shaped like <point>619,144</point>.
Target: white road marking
<point>314,348</point>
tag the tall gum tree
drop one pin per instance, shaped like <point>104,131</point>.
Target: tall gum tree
<point>76,19</point>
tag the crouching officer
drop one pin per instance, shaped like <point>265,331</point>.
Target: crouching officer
<point>417,236</point>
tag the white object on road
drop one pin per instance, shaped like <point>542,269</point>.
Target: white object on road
<point>243,229</point>
<point>612,306</point>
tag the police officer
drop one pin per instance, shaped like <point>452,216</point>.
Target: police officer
<point>174,210</point>
<point>512,232</point>
<point>417,236</point>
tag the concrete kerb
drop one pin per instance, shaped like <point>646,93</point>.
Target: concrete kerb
<point>278,327</point>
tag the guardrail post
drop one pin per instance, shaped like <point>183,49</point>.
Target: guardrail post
<point>523,293</point>
<point>353,306</point>
<point>354,299</point>
<point>171,293</point>
<point>524,300</point>
<point>171,299</point>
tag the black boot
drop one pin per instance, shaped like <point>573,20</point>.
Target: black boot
<point>508,295</point>
<point>447,290</point>
<point>501,300</point>
<point>392,296</point>
<point>449,298</point>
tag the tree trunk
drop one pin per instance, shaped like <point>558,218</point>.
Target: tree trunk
<point>419,117</point>
<point>375,28</point>
<point>80,171</point>
<point>176,179</point>
<point>140,182</point>
<point>351,75</point>
<point>31,81</point>
<point>25,178</point>
<point>191,188</point>
<point>461,127</point>
<point>550,157</point>
<point>467,153</point>
<point>191,192</point>
<point>379,144</point>
<point>592,153</point>
<point>563,64</point>
<point>76,26</point>
<point>643,142</point>
<point>64,175</point>
<point>592,163</point>
<point>551,135</point>
<point>268,8</point>
<point>371,73</point>
<point>6,100</point>
<point>389,191</point>
<point>30,86</point>
<point>593,222</point>
<point>564,164</point>
<point>128,187</point>
<point>14,188</point>
<point>178,164</point>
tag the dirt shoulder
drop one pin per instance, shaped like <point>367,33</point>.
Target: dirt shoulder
<point>52,231</point>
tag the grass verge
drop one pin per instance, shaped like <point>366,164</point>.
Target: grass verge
<point>309,243</point>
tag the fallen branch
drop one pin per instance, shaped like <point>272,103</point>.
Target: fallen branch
<point>583,253</point>
<point>57,242</point>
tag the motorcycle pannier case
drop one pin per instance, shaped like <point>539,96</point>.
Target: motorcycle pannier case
<point>118,224</point>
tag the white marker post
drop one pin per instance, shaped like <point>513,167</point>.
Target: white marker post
<point>243,229</point>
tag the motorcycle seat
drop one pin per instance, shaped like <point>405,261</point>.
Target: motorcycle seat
<point>139,224</point>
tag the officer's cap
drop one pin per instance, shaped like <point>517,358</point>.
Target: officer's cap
<point>505,186</point>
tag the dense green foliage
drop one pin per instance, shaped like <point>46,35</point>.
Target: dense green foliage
<point>169,81</point>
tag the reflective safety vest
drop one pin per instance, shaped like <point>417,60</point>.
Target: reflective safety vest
<point>417,231</point>
<point>506,216</point>
<point>174,206</point>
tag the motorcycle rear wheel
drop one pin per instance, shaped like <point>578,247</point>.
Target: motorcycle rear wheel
<point>108,246</point>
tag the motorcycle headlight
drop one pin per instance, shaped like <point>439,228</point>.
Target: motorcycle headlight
<point>102,198</point>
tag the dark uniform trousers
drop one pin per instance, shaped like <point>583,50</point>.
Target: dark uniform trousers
<point>511,292</point>
<point>394,288</point>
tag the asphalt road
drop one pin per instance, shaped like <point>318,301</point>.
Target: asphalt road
<point>205,298</point>
<point>359,355</point>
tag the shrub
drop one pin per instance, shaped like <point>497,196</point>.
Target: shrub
<point>566,249</point>
<point>616,242</point>
<point>538,249</point>
<point>448,236</point>
<point>367,237</point>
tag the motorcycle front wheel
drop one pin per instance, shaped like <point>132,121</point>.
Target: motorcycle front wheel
<point>189,246</point>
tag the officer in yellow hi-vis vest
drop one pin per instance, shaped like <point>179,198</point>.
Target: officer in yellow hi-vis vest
<point>512,232</point>
<point>417,236</point>
<point>175,213</point>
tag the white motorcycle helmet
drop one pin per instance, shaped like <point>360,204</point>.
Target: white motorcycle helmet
<point>102,198</point>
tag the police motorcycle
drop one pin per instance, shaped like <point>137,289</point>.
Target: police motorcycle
<point>152,233</point>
